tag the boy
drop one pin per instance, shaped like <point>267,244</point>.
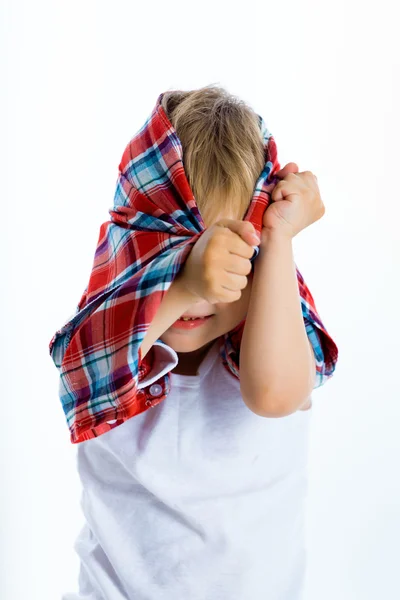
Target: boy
<point>203,496</point>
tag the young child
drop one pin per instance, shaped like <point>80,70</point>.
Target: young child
<point>203,496</point>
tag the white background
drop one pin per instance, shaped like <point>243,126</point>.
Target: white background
<point>78,81</point>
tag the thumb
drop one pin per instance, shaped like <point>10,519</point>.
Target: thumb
<point>245,229</point>
<point>288,168</point>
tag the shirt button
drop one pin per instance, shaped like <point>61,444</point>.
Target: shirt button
<point>155,390</point>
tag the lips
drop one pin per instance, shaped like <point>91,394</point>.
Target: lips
<point>191,323</point>
<point>195,316</point>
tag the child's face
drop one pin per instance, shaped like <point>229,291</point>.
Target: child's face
<point>226,316</point>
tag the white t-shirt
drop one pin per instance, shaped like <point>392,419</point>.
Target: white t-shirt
<point>197,498</point>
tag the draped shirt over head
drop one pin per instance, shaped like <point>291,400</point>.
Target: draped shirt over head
<point>154,223</point>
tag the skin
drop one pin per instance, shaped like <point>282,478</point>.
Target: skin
<point>295,206</point>
<point>193,345</point>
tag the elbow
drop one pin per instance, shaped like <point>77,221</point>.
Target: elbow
<point>279,403</point>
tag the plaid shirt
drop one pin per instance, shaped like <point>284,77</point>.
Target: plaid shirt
<point>153,226</point>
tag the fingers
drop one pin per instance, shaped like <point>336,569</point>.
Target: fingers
<point>240,237</point>
<point>237,265</point>
<point>242,228</point>
<point>234,282</point>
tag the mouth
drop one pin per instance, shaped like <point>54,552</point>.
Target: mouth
<point>186,322</point>
<point>196,316</point>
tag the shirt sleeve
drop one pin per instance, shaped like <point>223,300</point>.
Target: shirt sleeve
<point>324,347</point>
<point>164,359</point>
<point>97,352</point>
<point>159,360</point>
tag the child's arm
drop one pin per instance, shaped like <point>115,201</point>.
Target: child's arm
<point>174,304</point>
<point>277,366</point>
<point>221,248</point>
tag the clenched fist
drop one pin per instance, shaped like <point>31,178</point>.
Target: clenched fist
<point>218,264</point>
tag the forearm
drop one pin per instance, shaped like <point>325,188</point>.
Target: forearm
<point>277,367</point>
<point>174,304</point>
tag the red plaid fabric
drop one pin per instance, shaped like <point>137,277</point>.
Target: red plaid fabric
<point>154,223</point>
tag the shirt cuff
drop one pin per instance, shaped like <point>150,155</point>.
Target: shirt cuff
<point>165,359</point>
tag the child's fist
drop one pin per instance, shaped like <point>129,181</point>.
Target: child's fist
<point>296,203</point>
<point>218,264</point>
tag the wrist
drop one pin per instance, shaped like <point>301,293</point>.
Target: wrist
<point>276,236</point>
<point>180,283</point>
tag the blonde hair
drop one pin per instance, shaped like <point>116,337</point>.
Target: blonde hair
<point>223,148</point>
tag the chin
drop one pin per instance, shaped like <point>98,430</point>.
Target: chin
<point>185,343</point>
